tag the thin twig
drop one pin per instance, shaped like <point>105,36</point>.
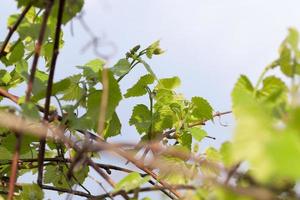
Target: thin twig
<point>146,170</point>
<point>231,173</point>
<point>168,134</point>
<point>70,191</point>
<point>8,95</point>
<point>106,177</point>
<point>14,170</point>
<point>38,47</point>
<point>13,29</point>
<point>14,167</point>
<point>145,189</point>
<point>55,53</point>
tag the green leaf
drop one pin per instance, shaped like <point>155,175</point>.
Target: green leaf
<point>226,153</point>
<point>283,153</point>
<point>169,83</point>
<point>293,38</point>
<point>8,143</point>
<point>16,53</point>
<point>197,133</point>
<point>185,140</point>
<point>201,109</point>
<point>290,54</point>
<point>72,8</point>
<point>171,174</point>
<point>274,93</point>
<point>131,181</point>
<point>121,67</point>
<point>22,69</point>
<point>148,68</point>
<point>212,154</point>
<point>92,71</point>
<point>56,174</point>
<point>164,96</point>
<point>95,64</point>
<point>58,88</point>
<point>40,82</point>
<point>139,89</point>
<point>30,30</point>
<point>293,119</point>
<point>74,92</point>
<point>141,118</point>
<point>31,192</point>
<point>36,3</point>
<point>47,50</point>
<point>163,119</point>
<point>114,127</point>
<point>285,61</point>
<point>93,67</point>
<point>11,20</point>
<point>5,77</point>
<point>272,85</point>
<point>30,110</point>
<point>243,87</point>
<point>94,101</point>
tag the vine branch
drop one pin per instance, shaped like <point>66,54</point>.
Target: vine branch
<point>55,53</point>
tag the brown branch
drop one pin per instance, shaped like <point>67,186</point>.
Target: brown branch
<point>105,177</point>
<point>70,191</point>
<point>14,170</point>
<point>37,49</point>
<point>17,123</point>
<point>55,53</point>
<point>13,29</point>
<point>8,95</point>
<point>106,167</point>
<point>142,167</point>
<point>144,189</point>
<point>231,173</point>
<point>14,167</point>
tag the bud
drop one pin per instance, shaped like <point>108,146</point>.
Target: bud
<point>158,51</point>
<point>135,49</point>
<point>128,55</point>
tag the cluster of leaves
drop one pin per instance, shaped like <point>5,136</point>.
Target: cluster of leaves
<point>263,153</point>
<point>79,98</point>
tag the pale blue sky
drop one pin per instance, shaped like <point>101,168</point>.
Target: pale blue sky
<point>208,43</point>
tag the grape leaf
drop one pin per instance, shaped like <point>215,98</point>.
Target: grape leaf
<point>121,67</point>
<point>94,101</point>
<point>31,192</point>
<point>201,109</point>
<point>56,174</point>
<point>185,140</point>
<point>131,181</point>
<point>114,126</point>
<point>197,133</point>
<point>139,89</point>
<point>168,83</point>
<point>141,118</point>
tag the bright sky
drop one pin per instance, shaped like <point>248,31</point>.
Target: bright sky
<point>208,43</point>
